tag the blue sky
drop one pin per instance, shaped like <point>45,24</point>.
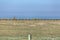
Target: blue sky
<point>30,8</point>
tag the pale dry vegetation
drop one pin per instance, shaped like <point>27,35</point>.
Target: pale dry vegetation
<point>35,27</point>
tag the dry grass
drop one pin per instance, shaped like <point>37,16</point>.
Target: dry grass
<point>35,27</point>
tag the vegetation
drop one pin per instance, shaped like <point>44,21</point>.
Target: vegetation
<point>38,28</point>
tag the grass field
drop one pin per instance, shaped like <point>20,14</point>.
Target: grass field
<point>21,28</point>
<point>25,38</point>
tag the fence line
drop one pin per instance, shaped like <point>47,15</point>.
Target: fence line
<point>29,38</point>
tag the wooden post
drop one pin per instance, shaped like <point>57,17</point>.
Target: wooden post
<point>29,36</point>
<point>53,38</point>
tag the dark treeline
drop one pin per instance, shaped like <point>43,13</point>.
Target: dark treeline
<point>26,19</point>
<point>14,18</point>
